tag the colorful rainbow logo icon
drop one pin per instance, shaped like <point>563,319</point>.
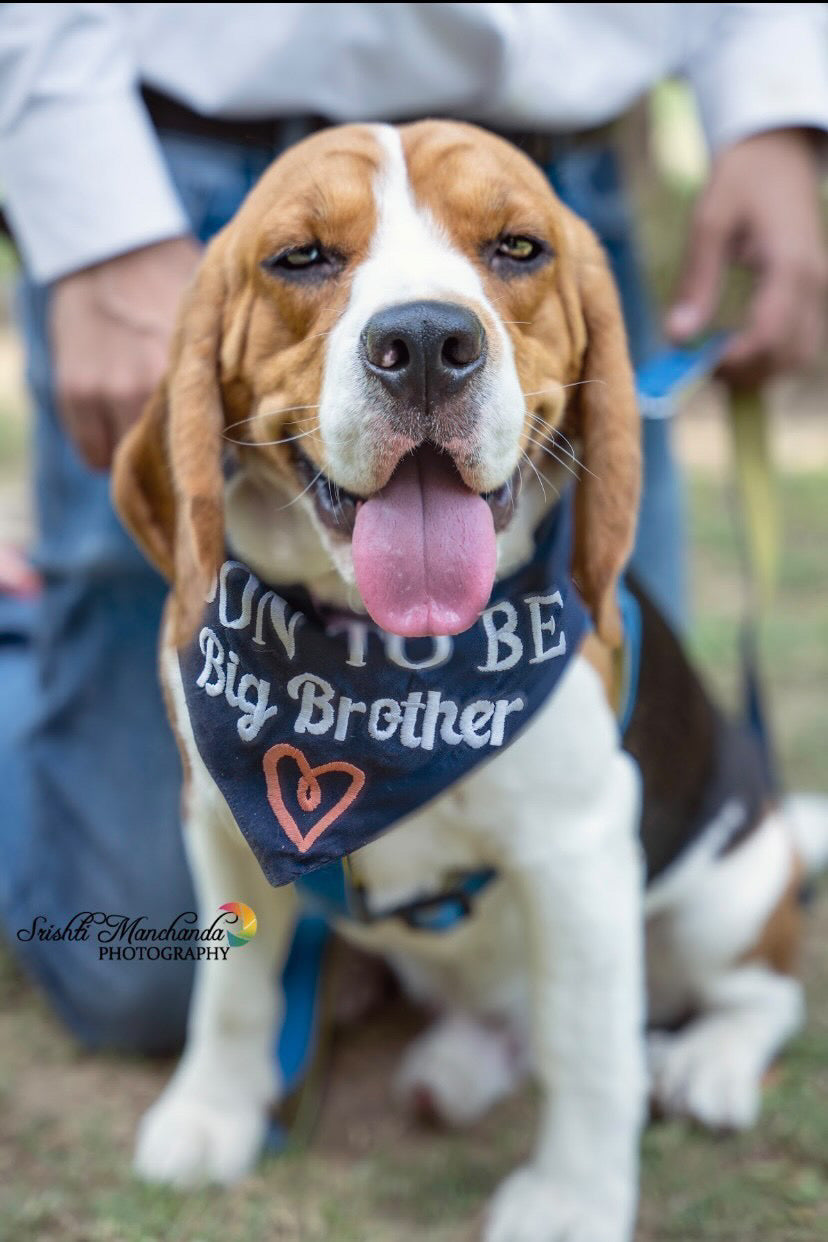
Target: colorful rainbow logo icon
<point>245,923</point>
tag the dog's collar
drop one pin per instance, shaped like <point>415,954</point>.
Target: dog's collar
<point>330,892</point>
<point>322,734</point>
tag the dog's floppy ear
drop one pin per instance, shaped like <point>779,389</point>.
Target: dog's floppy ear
<point>167,481</point>
<point>607,427</point>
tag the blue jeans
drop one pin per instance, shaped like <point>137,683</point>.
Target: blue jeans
<point>589,181</point>
<point>89,775</point>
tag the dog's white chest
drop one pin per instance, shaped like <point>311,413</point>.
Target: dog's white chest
<point>516,801</point>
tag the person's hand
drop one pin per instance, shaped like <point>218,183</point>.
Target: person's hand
<point>761,209</point>
<point>111,326</point>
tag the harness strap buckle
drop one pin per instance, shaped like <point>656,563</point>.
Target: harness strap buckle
<point>436,912</point>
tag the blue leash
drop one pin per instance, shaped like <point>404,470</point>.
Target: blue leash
<point>296,1043</point>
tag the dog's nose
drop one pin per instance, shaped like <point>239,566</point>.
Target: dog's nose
<point>424,352</point>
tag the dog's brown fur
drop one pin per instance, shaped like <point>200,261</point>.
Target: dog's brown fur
<point>245,338</point>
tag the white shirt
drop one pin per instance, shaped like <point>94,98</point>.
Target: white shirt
<point>84,177</point>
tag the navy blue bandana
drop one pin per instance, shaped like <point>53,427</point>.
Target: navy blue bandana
<point>322,731</point>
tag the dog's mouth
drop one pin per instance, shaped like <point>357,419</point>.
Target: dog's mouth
<point>337,508</point>
<point>423,545</point>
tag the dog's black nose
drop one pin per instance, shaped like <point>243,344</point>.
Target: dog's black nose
<point>424,352</point>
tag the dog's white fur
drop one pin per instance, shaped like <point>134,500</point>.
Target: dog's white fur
<point>549,970</point>
<point>412,259</point>
<point>557,815</point>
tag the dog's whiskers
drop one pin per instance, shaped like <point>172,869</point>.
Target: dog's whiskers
<point>539,392</point>
<point>300,435</point>
<point>317,476</point>
<point>540,476</point>
<point>537,472</point>
<point>337,500</point>
<point>549,453</point>
<point>544,448</point>
<point>567,443</point>
<point>546,429</point>
<point>287,409</point>
<point>538,425</point>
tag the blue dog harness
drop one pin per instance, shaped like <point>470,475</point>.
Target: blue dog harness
<point>322,732</point>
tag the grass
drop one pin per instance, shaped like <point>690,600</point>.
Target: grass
<point>794,633</point>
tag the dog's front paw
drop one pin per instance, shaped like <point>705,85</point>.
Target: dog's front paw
<point>458,1069</point>
<point>710,1080</point>
<point>529,1207</point>
<point>184,1140</point>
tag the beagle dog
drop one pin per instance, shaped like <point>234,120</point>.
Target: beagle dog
<point>393,607</point>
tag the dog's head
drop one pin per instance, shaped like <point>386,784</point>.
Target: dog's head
<point>396,329</point>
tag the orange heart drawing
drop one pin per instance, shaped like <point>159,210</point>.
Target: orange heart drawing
<point>308,792</point>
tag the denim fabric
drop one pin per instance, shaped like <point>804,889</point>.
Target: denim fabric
<point>589,180</point>
<point>89,773</point>
<point>89,776</point>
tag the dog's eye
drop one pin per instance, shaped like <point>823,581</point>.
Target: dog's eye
<point>521,249</point>
<point>514,254</point>
<point>310,262</point>
<point>305,256</point>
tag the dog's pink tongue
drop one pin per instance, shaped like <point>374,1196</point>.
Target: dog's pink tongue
<point>424,549</point>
